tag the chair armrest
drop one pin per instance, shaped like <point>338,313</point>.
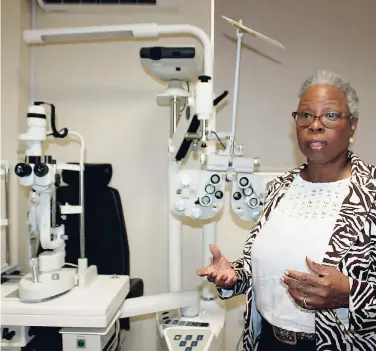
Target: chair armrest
<point>136,288</point>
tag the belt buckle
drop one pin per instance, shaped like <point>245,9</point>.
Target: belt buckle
<point>286,336</point>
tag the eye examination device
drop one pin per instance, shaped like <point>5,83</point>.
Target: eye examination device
<point>87,307</point>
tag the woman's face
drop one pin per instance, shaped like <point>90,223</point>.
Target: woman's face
<point>318,143</point>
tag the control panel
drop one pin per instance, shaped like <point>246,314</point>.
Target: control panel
<point>188,338</point>
<point>178,322</point>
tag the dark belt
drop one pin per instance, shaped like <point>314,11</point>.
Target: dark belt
<point>287,336</point>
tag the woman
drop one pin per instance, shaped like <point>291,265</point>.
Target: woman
<point>309,264</point>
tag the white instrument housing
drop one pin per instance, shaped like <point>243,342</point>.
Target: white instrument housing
<point>172,63</point>
<point>198,194</point>
<point>248,191</point>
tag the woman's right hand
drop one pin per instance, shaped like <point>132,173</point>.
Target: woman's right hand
<point>219,271</point>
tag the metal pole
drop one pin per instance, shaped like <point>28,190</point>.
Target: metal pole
<point>175,115</point>
<point>7,233</point>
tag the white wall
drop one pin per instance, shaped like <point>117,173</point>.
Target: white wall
<point>14,100</point>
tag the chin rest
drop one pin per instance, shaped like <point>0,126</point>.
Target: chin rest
<point>106,240</point>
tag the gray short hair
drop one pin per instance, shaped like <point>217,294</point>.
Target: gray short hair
<point>331,78</point>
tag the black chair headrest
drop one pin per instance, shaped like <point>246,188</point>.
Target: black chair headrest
<point>95,175</point>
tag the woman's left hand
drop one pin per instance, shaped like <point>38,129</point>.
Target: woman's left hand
<point>329,290</point>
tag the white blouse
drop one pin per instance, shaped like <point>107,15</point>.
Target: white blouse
<point>300,226</point>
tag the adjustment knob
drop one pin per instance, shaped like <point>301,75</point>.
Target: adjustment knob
<point>8,335</point>
<point>237,196</point>
<point>256,162</point>
<point>248,191</point>
<point>210,189</point>
<point>253,202</point>
<point>204,79</point>
<point>41,169</point>
<point>196,212</point>
<point>215,179</point>
<point>243,182</point>
<point>185,180</point>
<point>205,201</point>
<point>57,180</point>
<point>180,206</point>
<point>218,194</point>
<point>22,169</point>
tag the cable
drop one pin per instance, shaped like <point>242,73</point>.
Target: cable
<point>182,109</point>
<point>62,133</point>
<point>186,100</point>
<point>118,340</point>
<point>70,264</point>
<point>223,145</point>
<point>116,337</point>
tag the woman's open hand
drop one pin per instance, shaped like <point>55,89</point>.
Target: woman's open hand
<point>219,271</point>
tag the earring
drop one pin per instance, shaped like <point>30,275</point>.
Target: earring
<point>351,140</point>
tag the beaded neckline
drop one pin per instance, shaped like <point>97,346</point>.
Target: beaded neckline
<point>344,180</point>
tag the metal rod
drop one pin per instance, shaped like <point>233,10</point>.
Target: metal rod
<point>175,115</point>
<point>9,276</point>
<point>33,245</point>
<point>82,214</point>
<point>236,88</point>
<point>34,269</point>
<point>7,232</point>
<point>53,199</point>
<point>204,130</point>
<point>192,136</point>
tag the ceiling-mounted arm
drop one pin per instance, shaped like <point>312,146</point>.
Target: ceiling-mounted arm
<point>204,87</point>
<point>121,31</point>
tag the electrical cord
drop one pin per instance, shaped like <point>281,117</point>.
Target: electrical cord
<point>115,342</point>
<point>185,104</point>
<point>182,109</point>
<point>118,341</point>
<point>70,264</point>
<point>223,145</point>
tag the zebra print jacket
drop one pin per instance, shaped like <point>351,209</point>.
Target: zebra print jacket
<point>352,249</point>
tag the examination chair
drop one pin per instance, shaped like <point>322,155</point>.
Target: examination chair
<point>106,241</point>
